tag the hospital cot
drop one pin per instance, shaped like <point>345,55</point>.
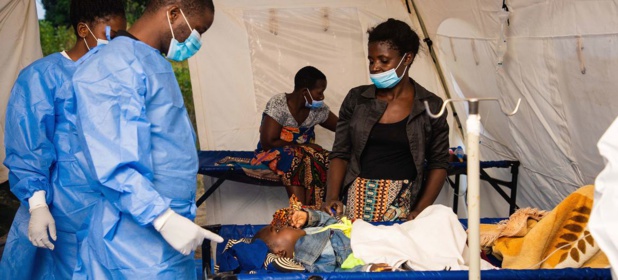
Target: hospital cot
<point>209,166</point>
<point>240,231</point>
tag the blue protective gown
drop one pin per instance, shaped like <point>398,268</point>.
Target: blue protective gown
<point>141,147</point>
<point>43,153</point>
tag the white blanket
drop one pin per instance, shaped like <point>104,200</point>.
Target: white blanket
<point>435,240</point>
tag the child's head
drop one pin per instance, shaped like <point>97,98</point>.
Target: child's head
<point>280,241</point>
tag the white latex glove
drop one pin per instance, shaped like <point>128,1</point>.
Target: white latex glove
<point>41,221</point>
<point>181,233</point>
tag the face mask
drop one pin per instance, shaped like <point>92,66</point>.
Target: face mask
<point>315,104</point>
<point>389,78</point>
<point>99,41</point>
<point>182,51</point>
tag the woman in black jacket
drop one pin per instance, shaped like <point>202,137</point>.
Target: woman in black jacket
<point>389,157</point>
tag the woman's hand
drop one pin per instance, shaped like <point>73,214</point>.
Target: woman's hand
<point>299,218</point>
<point>413,214</point>
<point>333,207</point>
<point>379,267</point>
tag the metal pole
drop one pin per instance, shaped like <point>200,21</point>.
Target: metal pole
<point>474,214</point>
<point>434,58</point>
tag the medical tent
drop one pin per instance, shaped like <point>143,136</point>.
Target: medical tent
<point>20,46</point>
<point>560,57</point>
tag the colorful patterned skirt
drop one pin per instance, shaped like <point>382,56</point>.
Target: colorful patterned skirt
<point>298,166</point>
<point>377,200</point>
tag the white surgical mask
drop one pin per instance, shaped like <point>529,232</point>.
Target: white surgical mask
<point>99,41</point>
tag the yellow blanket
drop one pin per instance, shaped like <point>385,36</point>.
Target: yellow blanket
<point>532,238</point>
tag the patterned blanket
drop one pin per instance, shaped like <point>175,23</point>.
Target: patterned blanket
<point>532,238</point>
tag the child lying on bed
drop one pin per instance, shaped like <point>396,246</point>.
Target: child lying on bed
<point>435,240</point>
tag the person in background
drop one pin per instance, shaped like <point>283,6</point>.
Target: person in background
<point>44,154</point>
<point>140,146</point>
<point>389,158</point>
<point>287,137</point>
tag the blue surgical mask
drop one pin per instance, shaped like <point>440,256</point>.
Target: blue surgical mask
<point>315,104</point>
<point>389,78</point>
<point>99,41</point>
<point>182,51</point>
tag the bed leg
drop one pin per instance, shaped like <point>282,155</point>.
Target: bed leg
<point>207,268</point>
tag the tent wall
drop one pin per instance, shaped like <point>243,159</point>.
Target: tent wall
<point>253,51</point>
<point>561,59</point>
<point>20,45</point>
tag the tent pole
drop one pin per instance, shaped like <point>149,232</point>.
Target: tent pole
<point>473,173</point>
<point>434,57</point>
<point>473,125</point>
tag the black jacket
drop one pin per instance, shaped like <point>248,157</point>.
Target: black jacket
<point>361,110</point>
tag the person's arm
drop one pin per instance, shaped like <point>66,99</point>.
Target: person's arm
<point>336,173</point>
<point>339,158</point>
<point>317,218</point>
<point>433,186</point>
<point>270,134</point>
<point>28,136</point>
<point>331,122</point>
<point>30,152</point>
<point>437,162</point>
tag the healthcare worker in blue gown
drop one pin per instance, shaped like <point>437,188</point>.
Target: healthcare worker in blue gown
<point>42,152</point>
<point>141,147</point>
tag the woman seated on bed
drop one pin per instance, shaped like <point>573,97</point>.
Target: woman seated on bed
<point>385,141</point>
<point>287,137</point>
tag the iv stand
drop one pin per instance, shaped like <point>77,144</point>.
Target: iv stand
<point>473,124</point>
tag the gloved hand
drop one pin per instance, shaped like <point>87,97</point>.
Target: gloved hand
<point>181,233</point>
<point>41,221</point>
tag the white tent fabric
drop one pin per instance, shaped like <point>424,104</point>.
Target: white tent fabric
<point>19,30</point>
<point>560,60</point>
<point>559,57</point>
<point>253,51</point>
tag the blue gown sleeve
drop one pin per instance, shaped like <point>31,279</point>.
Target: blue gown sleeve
<point>29,132</point>
<point>115,129</point>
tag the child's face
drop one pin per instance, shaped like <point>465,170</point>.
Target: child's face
<point>280,241</point>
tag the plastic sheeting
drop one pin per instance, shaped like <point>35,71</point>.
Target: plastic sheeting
<point>20,45</point>
<point>560,59</point>
<point>252,52</point>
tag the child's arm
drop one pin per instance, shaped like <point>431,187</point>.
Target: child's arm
<point>316,218</point>
<point>311,218</point>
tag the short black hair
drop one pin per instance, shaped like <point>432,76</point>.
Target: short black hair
<point>397,34</point>
<point>307,77</point>
<point>189,7</point>
<point>88,11</point>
